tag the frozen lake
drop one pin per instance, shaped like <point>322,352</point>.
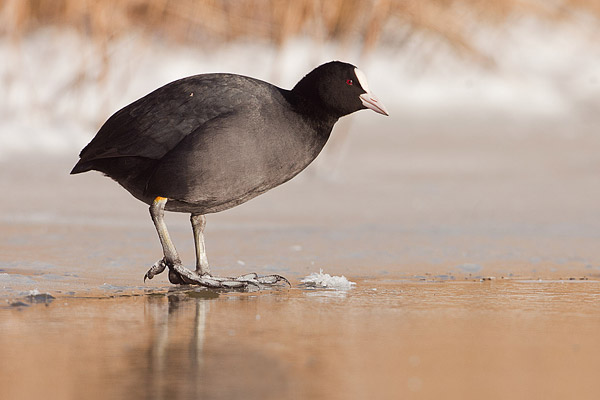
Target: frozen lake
<point>468,220</point>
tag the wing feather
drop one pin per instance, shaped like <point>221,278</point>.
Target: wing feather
<point>155,124</point>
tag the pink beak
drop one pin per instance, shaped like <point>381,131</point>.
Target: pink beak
<point>371,102</point>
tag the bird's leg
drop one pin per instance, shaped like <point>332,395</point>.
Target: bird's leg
<point>157,211</point>
<point>181,275</point>
<point>198,223</point>
<point>203,276</point>
<point>171,258</point>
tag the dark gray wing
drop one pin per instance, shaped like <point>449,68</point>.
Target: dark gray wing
<point>153,125</point>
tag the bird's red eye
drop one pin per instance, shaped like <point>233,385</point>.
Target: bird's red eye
<point>349,82</point>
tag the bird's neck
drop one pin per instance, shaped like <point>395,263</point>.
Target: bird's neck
<point>319,117</point>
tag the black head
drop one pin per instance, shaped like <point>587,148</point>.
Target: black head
<point>339,89</point>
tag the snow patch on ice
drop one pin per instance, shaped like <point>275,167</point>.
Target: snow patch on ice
<point>326,281</point>
<point>35,296</point>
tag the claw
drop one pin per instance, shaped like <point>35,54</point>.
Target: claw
<point>272,279</point>
<point>156,269</point>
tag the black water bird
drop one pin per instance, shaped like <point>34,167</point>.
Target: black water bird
<point>206,143</point>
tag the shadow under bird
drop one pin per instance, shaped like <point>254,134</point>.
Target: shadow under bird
<point>206,143</point>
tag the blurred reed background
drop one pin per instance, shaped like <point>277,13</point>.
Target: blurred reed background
<point>363,22</point>
<point>68,64</point>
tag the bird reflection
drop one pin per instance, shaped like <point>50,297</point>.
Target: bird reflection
<point>178,322</point>
<point>197,347</point>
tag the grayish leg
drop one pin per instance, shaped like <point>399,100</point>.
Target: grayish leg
<point>171,258</point>
<point>157,211</point>
<point>180,275</point>
<point>198,224</point>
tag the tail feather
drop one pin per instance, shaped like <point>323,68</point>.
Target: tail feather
<point>81,166</point>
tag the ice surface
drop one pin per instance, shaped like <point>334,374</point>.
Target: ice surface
<point>8,279</point>
<point>470,267</point>
<point>326,281</point>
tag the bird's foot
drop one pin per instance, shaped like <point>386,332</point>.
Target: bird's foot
<point>156,269</point>
<point>160,266</point>
<point>179,275</point>
<point>253,280</point>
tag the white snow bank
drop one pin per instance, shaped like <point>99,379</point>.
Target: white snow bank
<point>326,281</point>
<point>57,87</point>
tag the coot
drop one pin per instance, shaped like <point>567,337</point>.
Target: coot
<point>206,143</point>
